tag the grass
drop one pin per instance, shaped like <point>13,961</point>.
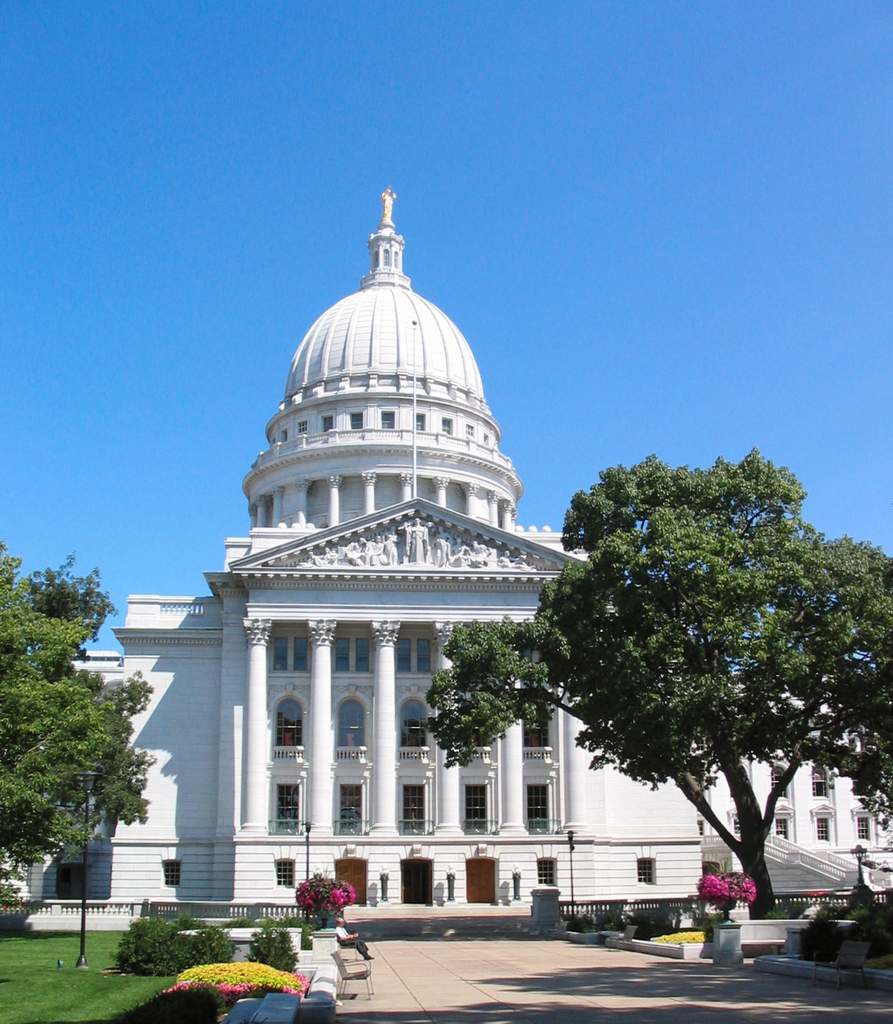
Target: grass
<point>34,991</point>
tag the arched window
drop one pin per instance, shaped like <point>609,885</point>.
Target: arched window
<point>534,736</point>
<point>377,258</point>
<point>819,782</point>
<point>413,724</point>
<point>387,257</point>
<point>351,727</point>
<point>289,724</point>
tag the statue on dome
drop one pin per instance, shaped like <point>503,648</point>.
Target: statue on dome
<point>388,198</point>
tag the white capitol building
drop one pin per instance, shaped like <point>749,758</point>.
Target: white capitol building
<point>294,695</point>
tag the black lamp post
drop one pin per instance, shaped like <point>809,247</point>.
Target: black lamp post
<point>860,853</point>
<point>87,781</point>
<point>571,848</point>
<point>307,826</point>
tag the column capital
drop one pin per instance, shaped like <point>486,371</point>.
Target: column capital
<point>442,481</point>
<point>385,633</point>
<point>492,497</point>
<point>257,631</point>
<point>335,480</point>
<point>302,483</point>
<point>322,632</point>
<point>279,490</point>
<point>474,490</point>
<point>443,631</point>
<point>369,477</point>
<point>406,479</point>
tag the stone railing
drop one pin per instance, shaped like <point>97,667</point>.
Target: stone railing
<point>482,754</point>
<point>537,753</point>
<point>830,864</point>
<point>288,753</point>
<point>350,754</point>
<point>415,754</point>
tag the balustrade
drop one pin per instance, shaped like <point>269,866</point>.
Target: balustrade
<point>288,753</point>
<point>538,754</point>
<point>415,754</point>
<point>351,754</point>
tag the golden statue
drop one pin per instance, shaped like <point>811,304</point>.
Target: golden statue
<point>388,197</point>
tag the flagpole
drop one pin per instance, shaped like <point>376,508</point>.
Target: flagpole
<point>415,488</point>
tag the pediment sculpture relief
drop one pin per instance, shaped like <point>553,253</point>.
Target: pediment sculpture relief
<point>416,542</point>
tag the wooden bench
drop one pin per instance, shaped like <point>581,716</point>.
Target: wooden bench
<point>851,957</point>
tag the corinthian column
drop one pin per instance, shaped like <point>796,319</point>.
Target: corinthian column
<point>493,508</point>
<point>254,810</point>
<point>448,820</point>
<point>334,500</point>
<point>384,774</point>
<point>368,493</point>
<point>576,776</point>
<point>301,502</point>
<point>321,751</point>
<point>405,486</point>
<point>441,483</point>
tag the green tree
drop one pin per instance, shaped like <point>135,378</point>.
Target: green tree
<point>708,626</point>
<point>55,721</point>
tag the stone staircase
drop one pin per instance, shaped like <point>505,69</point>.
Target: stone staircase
<point>793,868</point>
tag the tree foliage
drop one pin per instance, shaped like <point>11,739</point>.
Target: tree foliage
<point>56,722</point>
<point>708,626</point>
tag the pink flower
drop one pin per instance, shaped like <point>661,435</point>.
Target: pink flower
<point>732,886</point>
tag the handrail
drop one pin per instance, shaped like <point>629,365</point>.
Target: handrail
<point>479,827</point>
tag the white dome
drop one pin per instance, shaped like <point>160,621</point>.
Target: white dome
<point>371,331</point>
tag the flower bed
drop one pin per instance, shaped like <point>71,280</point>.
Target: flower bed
<point>677,938</point>
<point>238,981</point>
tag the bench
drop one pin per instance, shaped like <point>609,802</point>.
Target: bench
<point>629,932</point>
<point>851,957</point>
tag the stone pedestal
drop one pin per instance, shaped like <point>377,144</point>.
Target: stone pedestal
<point>544,915</point>
<point>727,945</point>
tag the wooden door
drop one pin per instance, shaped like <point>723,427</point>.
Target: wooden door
<point>416,881</point>
<point>480,880</point>
<point>355,871</point>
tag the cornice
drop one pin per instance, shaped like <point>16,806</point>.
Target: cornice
<point>137,636</point>
<point>280,580</point>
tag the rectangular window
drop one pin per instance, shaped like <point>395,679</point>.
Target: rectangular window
<point>299,653</point>
<point>538,808</point>
<point>388,420</point>
<point>342,654</point>
<point>328,423</point>
<point>280,654</point>
<point>469,430</point>
<point>287,802</point>
<point>414,803</point>
<point>645,870</point>
<point>446,425</point>
<point>486,438</point>
<point>423,655</point>
<point>285,873</point>
<point>863,828</point>
<point>781,828</point>
<point>819,782</point>
<point>361,652</point>
<point>420,422</point>
<point>350,813</point>
<point>171,869</point>
<point>356,421</point>
<point>476,804</point>
<point>545,871</point>
<point>301,427</point>
<point>283,436</point>
<point>404,655</point>
<point>823,829</point>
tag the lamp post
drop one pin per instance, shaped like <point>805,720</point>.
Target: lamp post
<point>306,825</point>
<point>87,781</point>
<point>571,848</point>
<point>860,853</point>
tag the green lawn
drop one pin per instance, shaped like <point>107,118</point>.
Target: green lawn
<point>34,991</point>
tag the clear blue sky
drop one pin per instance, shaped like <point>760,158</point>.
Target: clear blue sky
<point>663,227</point>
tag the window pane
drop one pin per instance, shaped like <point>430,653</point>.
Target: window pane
<point>288,724</point>
<point>469,430</point>
<point>545,871</point>
<point>342,654</point>
<point>356,421</point>
<point>280,654</point>
<point>535,737</point>
<point>413,803</point>
<point>351,732</point>
<point>645,870</point>
<point>287,802</point>
<point>350,810</point>
<point>446,425</point>
<point>475,803</point>
<point>420,421</point>
<point>781,828</point>
<point>171,869</point>
<point>362,654</point>
<point>299,654</point>
<point>537,803</point>
<point>413,724</point>
<point>819,782</point>
<point>823,830</point>
<point>302,426</point>
<point>423,655</point>
<point>404,655</point>
<point>285,873</point>
<point>863,828</point>
<point>388,421</point>
<point>328,423</point>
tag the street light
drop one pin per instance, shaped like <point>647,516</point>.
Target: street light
<point>87,781</point>
<point>571,848</point>
<point>307,827</point>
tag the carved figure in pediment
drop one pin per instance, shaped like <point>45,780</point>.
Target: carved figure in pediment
<point>355,553</point>
<point>507,562</point>
<point>390,555</point>
<point>373,553</point>
<point>417,549</point>
<point>440,551</point>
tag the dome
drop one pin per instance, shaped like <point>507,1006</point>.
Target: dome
<point>372,330</point>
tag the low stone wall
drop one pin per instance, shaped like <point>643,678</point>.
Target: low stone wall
<point>793,968</point>
<point>671,950</point>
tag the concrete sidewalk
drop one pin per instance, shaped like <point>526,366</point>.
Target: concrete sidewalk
<point>504,981</point>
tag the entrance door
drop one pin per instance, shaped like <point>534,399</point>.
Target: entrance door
<point>416,878</point>
<point>355,871</point>
<point>480,880</point>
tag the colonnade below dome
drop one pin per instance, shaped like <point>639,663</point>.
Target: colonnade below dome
<point>326,501</point>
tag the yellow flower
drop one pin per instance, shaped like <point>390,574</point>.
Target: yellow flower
<point>239,974</point>
<point>679,937</point>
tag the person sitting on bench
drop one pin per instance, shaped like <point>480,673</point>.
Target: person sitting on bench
<point>346,938</point>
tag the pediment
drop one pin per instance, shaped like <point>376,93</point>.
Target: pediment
<point>414,536</point>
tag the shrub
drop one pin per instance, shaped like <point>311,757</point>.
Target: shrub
<point>195,1005</point>
<point>821,938</point>
<point>581,923</point>
<point>777,914</point>
<point>205,945</point>
<point>676,938</point>
<point>884,963</point>
<point>272,946</point>
<point>652,922</point>
<point>706,922</point>
<point>873,925</point>
<point>286,921</point>
<point>239,922</point>
<point>307,930</point>
<point>259,975</point>
<point>185,922</point>
<point>148,947</point>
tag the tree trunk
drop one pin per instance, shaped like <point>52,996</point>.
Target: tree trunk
<point>753,861</point>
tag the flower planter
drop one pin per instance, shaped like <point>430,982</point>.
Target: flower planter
<point>672,951</point>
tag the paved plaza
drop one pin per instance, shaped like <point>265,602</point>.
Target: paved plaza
<point>530,981</point>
